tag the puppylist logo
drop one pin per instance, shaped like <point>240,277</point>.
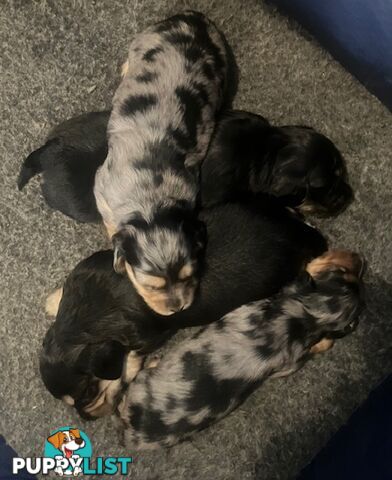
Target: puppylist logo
<point>68,452</point>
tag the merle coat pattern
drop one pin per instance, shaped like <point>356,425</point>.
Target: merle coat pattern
<point>160,126</point>
<point>204,378</point>
<point>101,317</point>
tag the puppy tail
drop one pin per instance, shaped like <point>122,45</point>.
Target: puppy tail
<point>35,162</point>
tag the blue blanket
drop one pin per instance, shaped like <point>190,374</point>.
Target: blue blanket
<point>362,449</point>
<point>358,33</point>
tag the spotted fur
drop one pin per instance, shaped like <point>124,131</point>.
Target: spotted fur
<point>206,377</point>
<point>161,123</point>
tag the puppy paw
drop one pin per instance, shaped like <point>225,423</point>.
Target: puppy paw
<point>124,69</point>
<point>132,366</point>
<point>153,362</point>
<point>53,302</point>
<point>322,346</point>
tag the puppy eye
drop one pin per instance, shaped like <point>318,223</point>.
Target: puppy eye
<point>187,279</point>
<point>154,289</point>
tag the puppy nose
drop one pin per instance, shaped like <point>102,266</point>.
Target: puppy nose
<point>176,306</point>
<point>78,441</point>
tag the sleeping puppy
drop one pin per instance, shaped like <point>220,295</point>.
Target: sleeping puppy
<point>159,129</point>
<point>297,165</point>
<point>204,378</point>
<point>68,162</point>
<point>250,255</point>
<point>100,321</point>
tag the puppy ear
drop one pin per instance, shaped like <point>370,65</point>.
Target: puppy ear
<point>106,360</point>
<point>289,171</point>
<point>56,439</point>
<point>196,230</point>
<point>119,240</point>
<point>75,432</point>
<point>317,178</point>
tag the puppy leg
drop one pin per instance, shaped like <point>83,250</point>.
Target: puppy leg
<point>53,302</point>
<point>322,346</point>
<point>132,367</point>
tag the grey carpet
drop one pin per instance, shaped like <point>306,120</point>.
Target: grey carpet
<point>60,58</point>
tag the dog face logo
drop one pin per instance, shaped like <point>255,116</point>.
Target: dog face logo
<point>68,446</point>
<point>67,441</point>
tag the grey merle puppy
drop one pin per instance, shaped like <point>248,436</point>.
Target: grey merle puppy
<point>204,378</point>
<point>163,116</point>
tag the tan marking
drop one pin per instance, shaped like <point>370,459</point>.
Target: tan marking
<point>124,68</point>
<point>153,362</point>
<point>186,271</point>
<point>53,301</point>
<point>103,403</point>
<point>151,281</point>
<point>133,365</point>
<point>322,346</point>
<point>110,229</point>
<point>156,300</point>
<point>68,400</point>
<point>343,259</point>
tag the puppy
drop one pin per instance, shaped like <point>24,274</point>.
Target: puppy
<point>250,255</point>
<point>159,129</point>
<point>297,165</point>
<point>69,161</point>
<point>205,377</point>
<point>100,320</point>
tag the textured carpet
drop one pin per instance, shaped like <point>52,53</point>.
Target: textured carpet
<point>60,58</point>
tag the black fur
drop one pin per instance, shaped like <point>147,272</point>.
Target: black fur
<point>202,379</point>
<point>68,161</point>
<point>251,254</point>
<point>138,103</point>
<point>295,165</point>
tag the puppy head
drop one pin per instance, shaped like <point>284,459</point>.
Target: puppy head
<point>81,375</point>
<point>161,258</point>
<point>335,279</point>
<point>308,171</point>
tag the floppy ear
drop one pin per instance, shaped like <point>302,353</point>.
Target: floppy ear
<point>56,439</point>
<point>119,252</point>
<point>197,230</point>
<point>289,172</point>
<point>104,360</point>
<point>75,432</point>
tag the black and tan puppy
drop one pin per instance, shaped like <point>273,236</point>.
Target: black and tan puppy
<point>250,255</point>
<point>204,378</point>
<point>295,164</point>
<point>68,162</point>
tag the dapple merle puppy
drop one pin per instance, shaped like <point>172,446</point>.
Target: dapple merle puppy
<point>250,255</point>
<point>204,378</point>
<point>295,165</point>
<point>159,129</point>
